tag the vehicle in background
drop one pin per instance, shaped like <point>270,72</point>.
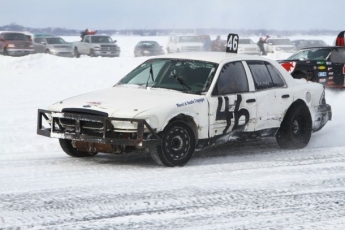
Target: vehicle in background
<point>248,46</point>
<point>276,45</point>
<point>305,43</point>
<point>53,45</point>
<point>184,43</point>
<point>15,44</point>
<point>96,45</point>
<point>324,64</point>
<point>148,48</point>
<point>218,45</point>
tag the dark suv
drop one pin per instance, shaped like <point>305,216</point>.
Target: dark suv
<point>15,44</point>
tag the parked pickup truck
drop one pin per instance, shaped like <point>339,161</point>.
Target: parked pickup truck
<point>15,44</point>
<point>96,45</point>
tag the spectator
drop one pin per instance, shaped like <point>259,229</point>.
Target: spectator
<point>217,44</point>
<point>261,43</point>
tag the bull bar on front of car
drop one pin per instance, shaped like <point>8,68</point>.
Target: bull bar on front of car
<point>56,130</point>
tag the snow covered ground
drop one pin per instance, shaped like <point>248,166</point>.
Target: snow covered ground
<point>252,186</point>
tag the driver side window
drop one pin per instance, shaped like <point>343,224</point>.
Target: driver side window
<point>232,79</point>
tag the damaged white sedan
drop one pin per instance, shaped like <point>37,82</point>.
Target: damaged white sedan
<point>176,104</point>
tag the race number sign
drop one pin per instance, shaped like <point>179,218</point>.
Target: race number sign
<point>232,43</point>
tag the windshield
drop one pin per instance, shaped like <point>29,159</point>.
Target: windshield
<point>189,39</point>
<point>196,75</point>
<point>311,54</point>
<point>149,44</point>
<point>55,41</point>
<point>280,41</point>
<point>15,36</point>
<point>101,39</point>
<point>245,41</point>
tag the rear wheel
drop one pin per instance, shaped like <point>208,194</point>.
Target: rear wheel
<point>47,51</point>
<point>76,53</point>
<point>177,145</point>
<point>5,52</point>
<point>68,148</point>
<point>296,128</point>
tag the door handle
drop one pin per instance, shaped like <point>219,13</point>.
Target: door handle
<point>251,100</point>
<point>286,96</point>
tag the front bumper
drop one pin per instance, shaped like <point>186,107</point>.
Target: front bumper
<point>19,52</point>
<point>103,53</point>
<point>85,122</point>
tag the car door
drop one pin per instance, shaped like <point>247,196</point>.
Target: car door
<point>232,106</point>
<point>272,94</point>
<point>85,45</point>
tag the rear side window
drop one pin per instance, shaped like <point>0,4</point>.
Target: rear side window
<point>276,77</point>
<point>232,79</point>
<point>265,75</point>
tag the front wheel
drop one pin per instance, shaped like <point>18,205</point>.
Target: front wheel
<point>296,128</point>
<point>76,53</point>
<point>5,52</point>
<point>68,148</point>
<point>177,145</point>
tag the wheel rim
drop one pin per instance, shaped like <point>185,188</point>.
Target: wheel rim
<point>297,126</point>
<point>177,143</point>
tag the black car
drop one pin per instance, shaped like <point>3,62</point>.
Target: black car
<point>324,64</point>
<point>305,43</point>
<point>148,48</point>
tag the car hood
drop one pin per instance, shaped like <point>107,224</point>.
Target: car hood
<point>124,101</point>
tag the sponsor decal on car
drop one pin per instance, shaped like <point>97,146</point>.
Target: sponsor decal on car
<point>330,68</point>
<point>289,66</point>
<point>322,74</point>
<point>321,67</point>
<point>320,62</point>
<point>330,78</point>
<point>328,63</point>
<point>330,73</point>
<point>201,100</point>
<point>322,80</point>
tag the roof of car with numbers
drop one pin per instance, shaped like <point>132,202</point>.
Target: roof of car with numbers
<point>216,57</point>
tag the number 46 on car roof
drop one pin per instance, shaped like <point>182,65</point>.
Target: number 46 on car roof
<point>232,43</point>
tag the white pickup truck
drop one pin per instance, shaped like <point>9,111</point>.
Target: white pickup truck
<point>96,45</point>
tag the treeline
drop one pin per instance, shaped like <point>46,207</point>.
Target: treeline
<point>158,32</point>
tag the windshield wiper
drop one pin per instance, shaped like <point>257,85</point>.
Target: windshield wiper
<point>151,74</point>
<point>186,87</point>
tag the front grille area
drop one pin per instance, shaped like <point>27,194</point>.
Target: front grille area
<point>108,48</point>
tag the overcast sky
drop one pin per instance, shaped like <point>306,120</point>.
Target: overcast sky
<point>178,14</point>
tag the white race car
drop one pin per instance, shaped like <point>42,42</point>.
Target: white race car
<point>174,104</point>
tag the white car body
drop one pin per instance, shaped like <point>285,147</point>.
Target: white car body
<point>248,46</point>
<point>280,45</point>
<point>184,43</point>
<point>214,117</point>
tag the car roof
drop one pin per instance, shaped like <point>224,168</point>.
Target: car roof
<point>317,47</point>
<point>215,57</point>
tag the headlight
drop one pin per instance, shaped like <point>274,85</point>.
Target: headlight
<point>97,48</point>
<point>11,45</point>
<point>31,46</point>
<point>146,52</point>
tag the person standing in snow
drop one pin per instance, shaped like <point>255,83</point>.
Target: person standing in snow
<point>261,43</point>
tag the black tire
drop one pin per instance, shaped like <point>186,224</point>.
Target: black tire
<point>76,53</point>
<point>92,53</point>
<point>67,147</point>
<point>47,51</point>
<point>296,128</point>
<point>177,146</point>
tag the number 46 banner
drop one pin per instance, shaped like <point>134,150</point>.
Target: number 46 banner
<point>232,43</point>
